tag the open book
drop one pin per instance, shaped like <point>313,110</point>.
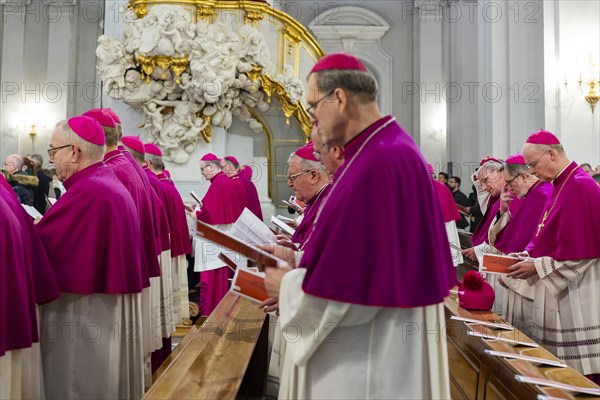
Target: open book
<point>249,284</point>
<point>494,264</point>
<point>50,201</point>
<point>535,360</point>
<point>546,382</point>
<point>33,213</point>
<point>462,210</point>
<point>195,197</point>
<point>282,224</point>
<point>246,232</point>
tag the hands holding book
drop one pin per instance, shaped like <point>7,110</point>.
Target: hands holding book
<point>470,253</point>
<point>285,241</point>
<point>275,275</point>
<point>522,270</point>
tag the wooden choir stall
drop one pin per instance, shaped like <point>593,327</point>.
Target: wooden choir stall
<point>227,356</point>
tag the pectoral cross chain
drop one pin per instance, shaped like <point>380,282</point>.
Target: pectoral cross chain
<point>541,225</point>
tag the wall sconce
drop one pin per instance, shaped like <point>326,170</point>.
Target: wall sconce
<point>32,135</point>
<point>592,83</point>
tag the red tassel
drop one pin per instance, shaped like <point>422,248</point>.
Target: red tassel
<point>473,280</point>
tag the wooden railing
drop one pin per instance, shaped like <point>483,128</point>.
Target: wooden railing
<point>477,375</point>
<point>225,358</point>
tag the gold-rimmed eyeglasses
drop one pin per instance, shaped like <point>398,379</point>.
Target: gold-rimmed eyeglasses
<point>292,178</point>
<point>535,163</point>
<point>313,107</point>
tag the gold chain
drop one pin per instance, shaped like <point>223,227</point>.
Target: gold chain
<point>348,165</point>
<point>541,225</point>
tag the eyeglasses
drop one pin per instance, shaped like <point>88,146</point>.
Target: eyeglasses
<point>485,180</point>
<point>292,178</point>
<point>52,151</point>
<point>319,153</point>
<point>535,163</point>
<point>510,181</point>
<point>312,108</point>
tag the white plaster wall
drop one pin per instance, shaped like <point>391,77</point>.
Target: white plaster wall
<point>572,32</point>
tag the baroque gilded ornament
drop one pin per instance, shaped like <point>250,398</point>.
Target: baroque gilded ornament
<point>186,76</point>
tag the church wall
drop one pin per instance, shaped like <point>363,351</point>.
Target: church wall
<point>572,36</point>
<point>397,43</point>
<point>496,56</point>
<point>47,69</point>
<point>502,65</point>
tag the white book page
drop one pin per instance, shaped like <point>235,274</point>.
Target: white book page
<point>33,213</point>
<point>559,385</point>
<point>536,360</point>
<point>286,228</point>
<point>251,230</point>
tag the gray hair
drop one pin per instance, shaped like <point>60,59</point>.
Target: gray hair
<point>214,162</point>
<point>491,165</point>
<point>156,161</point>
<point>515,169</point>
<point>309,165</point>
<point>137,156</point>
<point>360,83</point>
<point>90,151</point>
<point>17,160</point>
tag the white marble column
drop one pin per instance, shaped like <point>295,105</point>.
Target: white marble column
<point>430,80</point>
<point>12,78</point>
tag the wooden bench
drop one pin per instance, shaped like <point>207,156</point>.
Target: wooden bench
<point>475,374</point>
<point>225,358</point>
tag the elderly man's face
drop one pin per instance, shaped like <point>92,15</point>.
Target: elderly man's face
<point>326,154</point>
<point>208,170</point>
<point>539,162</point>
<point>322,110</point>
<point>492,181</point>
<point>61,155</point>
<point>300,180</point>
<point>9,165</point>
<point>228,168</point>
<point>516,184</point>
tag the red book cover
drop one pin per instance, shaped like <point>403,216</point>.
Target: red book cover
<point>498,264</point>
<point>249,284</point>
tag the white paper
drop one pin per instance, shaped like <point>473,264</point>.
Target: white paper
<point>285,219</point>
<point>484,323</point>
<point>515,342</point>
<point>251,230</point>
<point>559,385</point>
<point>287,229</point>
<point>33,213</point>
<point>536,360</point>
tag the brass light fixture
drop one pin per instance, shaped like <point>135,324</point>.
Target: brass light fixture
<point>592,83</point>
